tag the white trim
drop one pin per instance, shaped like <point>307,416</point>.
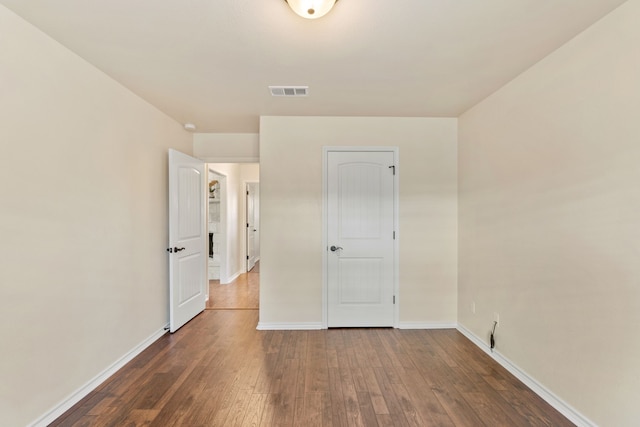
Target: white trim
<point>547,395</point>
<point>325,219</point>
<point>396,226</point>
<point>83,391</point>
<point>396,241</point>
<point>274,326</point>
<point>233,277</point>
<point>427,325</point>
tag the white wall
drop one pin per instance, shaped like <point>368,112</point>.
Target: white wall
<point>291,213</point>
<point>83,218</point>
<point>550,220</point>
<point>250,172</point>
<point>226,147</point>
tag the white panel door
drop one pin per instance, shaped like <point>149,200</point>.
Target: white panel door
<point>360,220</point>
<point>187,239</point>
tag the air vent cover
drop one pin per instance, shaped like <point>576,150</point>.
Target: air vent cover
<point>289,90</point>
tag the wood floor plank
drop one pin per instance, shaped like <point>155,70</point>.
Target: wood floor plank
<point>298,412</point>
<point>284,411</point>
<point>255,410</point>
<point>358,380</point>
<point>239,408</point>
<point>388,393</point>
<point>423,399</point>
<point>490,414</point>
<point>313,410</point>
<point>375,394</point>
<point>338,411</point>
<point>243,293</point>
<point>460,411</point>
<point>366,409</point>
<point>267,418</point>
<point>391,420</point>
<point>406,404</point>
<point>354,417</point>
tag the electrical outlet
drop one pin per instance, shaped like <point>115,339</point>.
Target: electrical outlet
<point>473,307</point>
<point>496,318</point>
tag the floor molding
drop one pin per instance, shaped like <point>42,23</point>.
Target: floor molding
<point>83,391</point>
<point>564,408</point>
<point>304,326</point>
<point>232,278</point>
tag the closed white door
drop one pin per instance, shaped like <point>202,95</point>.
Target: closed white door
<point>187,239</point>
<point>360,234</point>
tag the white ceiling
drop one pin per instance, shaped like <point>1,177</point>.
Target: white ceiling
<point>210,62</point>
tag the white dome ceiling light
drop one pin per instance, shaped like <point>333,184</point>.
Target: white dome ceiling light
<point>311,9</point>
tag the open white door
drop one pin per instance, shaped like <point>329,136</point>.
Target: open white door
<point>360,237</point>
<point>252,227</point>
<point>187,239</point>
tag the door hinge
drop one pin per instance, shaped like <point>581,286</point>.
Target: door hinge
<point>394,235</point>
<point>247,256</point>
<point>394,299</point>
<point>394,169</point>
<point>247,225</point>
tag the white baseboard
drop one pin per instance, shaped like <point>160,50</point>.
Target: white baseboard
<point>83,391</point>
<point>266,326</point>
<point>232,278</point>
<point>304,326</point>
<point>426,325</point>
<point>560,405</point>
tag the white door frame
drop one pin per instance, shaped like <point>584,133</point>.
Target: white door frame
<point>224,274</point>
<point>325,228</point>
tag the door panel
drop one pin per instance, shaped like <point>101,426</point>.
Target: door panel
<point>189,213</point>
<point>189,277</point>
<point>360,213</point>
<point>187,239</point>
<point>360,280</point>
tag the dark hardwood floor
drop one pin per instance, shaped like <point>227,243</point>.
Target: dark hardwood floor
<point>241,294</point>
<point>218,370</point>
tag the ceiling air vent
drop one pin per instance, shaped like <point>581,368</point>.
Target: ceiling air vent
<point>289,90</point>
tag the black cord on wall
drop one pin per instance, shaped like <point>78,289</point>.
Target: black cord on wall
<point>493,333</point>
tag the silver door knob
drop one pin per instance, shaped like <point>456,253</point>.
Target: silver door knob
<point>335,248</point>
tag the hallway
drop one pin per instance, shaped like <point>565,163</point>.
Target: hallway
<point>241,294</point>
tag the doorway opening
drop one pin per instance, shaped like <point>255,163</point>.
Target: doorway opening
<point>233,284</point>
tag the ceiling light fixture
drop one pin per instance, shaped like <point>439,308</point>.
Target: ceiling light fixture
<point>311,9</point>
